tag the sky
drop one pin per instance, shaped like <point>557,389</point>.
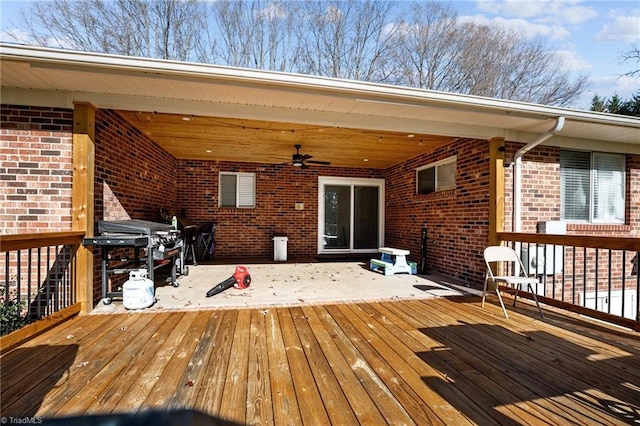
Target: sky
<point>589,35</point>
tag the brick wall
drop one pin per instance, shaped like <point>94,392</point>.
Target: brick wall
<point>249,232</point>
<point>456,220</point>
<point>35,169</point>
<point>134,177</point>
<point>541,193</point>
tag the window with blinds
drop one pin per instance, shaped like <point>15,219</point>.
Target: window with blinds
<point>438,176</point>
<point>237,190</point>
<point>592,186</point>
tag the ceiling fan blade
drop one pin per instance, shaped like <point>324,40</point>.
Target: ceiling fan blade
<point>305,157</point>
<point>324,163</point>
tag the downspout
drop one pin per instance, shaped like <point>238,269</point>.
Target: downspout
<point>517,171</point>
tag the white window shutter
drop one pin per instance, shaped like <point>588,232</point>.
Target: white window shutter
<point>246,190</point>
<point>446,176</point>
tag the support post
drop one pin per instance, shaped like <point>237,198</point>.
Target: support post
<point>84,116</point>
<point>496,189</point>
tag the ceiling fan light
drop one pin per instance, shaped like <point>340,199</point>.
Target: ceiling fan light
<point>297,163</point>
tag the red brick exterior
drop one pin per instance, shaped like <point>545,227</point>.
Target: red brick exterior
<point>246,232</point>
<point>134,177</point>
<point>457,221</point>
<point>541,193</point>
<point>35,169</point>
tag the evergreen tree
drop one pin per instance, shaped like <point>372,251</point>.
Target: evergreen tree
<point>617,105</point>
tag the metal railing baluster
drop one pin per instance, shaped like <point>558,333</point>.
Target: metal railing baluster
<point>584,277</point>
<point>624,279</point>
<point>609,285</point>
<point>18,277</point>
<point>38,296</point>
<point>573,277</point>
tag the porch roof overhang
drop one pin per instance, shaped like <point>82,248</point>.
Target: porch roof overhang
<point>201,111</point>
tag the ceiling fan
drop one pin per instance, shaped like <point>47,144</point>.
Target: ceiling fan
<point>300,160</point>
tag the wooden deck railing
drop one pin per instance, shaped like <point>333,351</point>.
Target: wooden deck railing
<point>593,276</point>
<point>38,284</point>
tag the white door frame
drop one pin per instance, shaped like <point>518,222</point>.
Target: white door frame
<point>345,181</point>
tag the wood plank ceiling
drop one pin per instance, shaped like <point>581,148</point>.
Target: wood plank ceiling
<point>241,140</point>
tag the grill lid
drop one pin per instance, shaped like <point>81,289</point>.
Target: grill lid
<point>133,226</point>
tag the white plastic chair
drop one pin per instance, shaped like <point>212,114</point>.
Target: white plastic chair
<point>507,254</point>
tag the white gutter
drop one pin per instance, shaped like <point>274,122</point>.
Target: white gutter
<point>517,171</point>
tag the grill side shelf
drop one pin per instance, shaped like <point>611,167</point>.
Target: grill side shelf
<point>123,240</point>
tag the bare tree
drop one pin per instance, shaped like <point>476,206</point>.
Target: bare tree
<point>425,53</point>
<point>254,34</point>
<point>155,28</point>
<point>503,64</point>
<point>346,39</point>
<point>439,53</point>
<point>634,56</point>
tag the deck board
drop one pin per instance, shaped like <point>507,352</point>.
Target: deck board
<point>285,407</point>
<point>463,360</point>
<point>310,402</point>
<point>437,361</point>
<point>360,402</point>
<point>515,362</point>
<point>211,384</point>
<point>390,408</point>
<point>335,401</point>
<point>234,399</point>
<point>483,388</point>
<point>126,383</point>
<point>259,405</point>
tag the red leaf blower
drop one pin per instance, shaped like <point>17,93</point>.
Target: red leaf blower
<point>240,279</point>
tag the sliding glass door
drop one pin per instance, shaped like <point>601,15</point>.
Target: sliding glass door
<point>350,215</point>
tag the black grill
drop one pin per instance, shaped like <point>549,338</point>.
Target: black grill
<point>154,245</point>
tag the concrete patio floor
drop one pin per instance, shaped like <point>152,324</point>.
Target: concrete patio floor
<point>292,284</point>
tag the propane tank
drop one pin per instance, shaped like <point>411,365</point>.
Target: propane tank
<point>138,291</point>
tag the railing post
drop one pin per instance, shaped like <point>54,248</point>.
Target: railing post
<point>84,116</point>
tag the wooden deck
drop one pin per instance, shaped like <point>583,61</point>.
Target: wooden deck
<point>440,361</point>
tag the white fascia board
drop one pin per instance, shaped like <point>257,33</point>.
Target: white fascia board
<point>41,98</point>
